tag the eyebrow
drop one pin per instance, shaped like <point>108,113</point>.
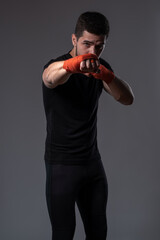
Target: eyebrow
<point>86,41</point>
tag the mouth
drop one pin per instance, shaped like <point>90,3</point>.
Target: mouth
<point>88,74</point>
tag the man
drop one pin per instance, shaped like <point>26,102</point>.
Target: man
<point>72,85</point>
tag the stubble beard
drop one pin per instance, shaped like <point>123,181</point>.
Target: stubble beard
<point>76,51</point>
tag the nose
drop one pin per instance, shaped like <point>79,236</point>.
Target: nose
<point>92,50</point>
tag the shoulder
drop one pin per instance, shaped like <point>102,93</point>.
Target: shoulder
<point>106,64</point>
<point>60,58</point>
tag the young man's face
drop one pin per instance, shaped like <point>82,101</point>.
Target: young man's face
<point>89,43</point>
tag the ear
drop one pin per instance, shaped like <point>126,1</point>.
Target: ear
<point>74,40</point>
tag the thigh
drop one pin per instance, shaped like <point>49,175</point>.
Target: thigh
<point>92,201</point>
<point>61,186</point>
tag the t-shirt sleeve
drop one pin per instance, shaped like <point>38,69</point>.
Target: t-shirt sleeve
<point>106,64</point>
<point>46,65</point>
<point>61,58</point>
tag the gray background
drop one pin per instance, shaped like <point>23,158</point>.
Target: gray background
<point>33,32</point>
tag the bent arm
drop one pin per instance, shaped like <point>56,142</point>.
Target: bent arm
<point>120,90</point>
<point>55,75</point>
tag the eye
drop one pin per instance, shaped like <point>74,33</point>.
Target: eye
<point>99,46</point>
<point>86,44</point>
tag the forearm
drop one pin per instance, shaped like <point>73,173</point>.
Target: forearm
<point>55,74</point>
<point>121,91</point>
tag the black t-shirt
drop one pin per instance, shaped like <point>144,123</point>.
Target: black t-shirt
<point>71,114</point>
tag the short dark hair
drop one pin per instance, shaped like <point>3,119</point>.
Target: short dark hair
<point>92,22</point>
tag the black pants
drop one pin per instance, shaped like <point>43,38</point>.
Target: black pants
<point>87,186</point>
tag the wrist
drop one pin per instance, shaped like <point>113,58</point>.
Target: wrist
<point>105,74</point>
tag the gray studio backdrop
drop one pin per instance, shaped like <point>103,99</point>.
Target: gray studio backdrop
<point>33,32</point>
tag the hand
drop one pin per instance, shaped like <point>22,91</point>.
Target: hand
<point>82,64</point>
<point>90,65</point>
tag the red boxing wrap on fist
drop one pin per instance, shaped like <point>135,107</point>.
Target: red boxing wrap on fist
<point>105,74</point>
<point>72,65</point>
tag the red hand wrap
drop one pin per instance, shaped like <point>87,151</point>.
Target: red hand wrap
<point>105,74</point>
<point>72,65</point>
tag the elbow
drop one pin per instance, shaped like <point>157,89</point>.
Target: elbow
<point>126,100</point>
<point>44,76</point>
<point>46,81</point>
<point>130,100</point>
<point>130,97</point>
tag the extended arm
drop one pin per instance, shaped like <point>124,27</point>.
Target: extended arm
<point>59,72</point>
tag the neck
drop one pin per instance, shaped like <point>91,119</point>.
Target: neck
<point>73,52</point>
